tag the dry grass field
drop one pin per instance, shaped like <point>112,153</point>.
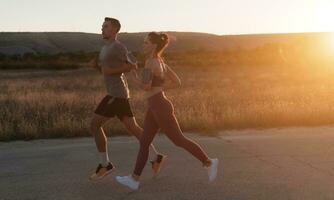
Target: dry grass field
<point>49,104</point>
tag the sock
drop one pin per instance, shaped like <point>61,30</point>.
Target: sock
<point>104,158</point>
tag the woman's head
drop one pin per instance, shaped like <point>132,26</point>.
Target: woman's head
<point>155,43</point>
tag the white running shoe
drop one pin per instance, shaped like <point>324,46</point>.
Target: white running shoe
<point>213,169</point>
<point>128,181</point>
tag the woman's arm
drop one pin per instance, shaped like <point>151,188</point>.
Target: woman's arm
<point>175,81</point>
<point>139,82</point>
<point>146,82</point>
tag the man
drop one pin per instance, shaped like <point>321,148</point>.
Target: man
<point>113,62</point>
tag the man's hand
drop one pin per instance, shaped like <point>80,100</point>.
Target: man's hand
<point>134,74</point>
<point>131,66</point>
<point>94,64</point>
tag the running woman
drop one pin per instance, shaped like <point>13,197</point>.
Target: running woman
<point>160,113</point>
<point>113,62</point>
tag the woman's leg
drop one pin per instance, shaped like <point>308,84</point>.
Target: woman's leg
<point>166,119</point>
<point>150,130</point>
<point>132,126</point>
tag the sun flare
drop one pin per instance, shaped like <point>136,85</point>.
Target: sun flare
<point>331,42</point>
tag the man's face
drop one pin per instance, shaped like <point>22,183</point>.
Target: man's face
<point>107,30</point>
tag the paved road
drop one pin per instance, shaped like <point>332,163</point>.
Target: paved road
<point>294,163</point>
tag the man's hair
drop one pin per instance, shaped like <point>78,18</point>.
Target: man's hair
<point>114,22</point>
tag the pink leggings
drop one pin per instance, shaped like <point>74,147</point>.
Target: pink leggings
<point>160,114</point>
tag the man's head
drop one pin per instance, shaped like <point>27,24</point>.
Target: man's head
<point>110,28</point>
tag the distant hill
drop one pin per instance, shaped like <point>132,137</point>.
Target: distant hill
<point>56,42</point>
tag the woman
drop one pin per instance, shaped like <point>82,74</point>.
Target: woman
<point>160,113</point>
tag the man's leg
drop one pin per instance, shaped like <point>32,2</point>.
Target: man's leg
<point>101,143</point>
<point>98,132</point>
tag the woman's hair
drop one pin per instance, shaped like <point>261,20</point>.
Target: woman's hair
<point>160,39</point>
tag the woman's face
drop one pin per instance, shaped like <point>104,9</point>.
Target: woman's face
<point>148,46</point>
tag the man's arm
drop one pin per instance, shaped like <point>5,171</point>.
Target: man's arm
<point>93,64</point>
<point>120,64</point>
<point>126,67</point>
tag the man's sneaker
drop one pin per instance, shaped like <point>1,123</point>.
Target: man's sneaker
<point>101,172</point>
<point>156,164</point>
<point>128,181</point>
<point>213,169</point>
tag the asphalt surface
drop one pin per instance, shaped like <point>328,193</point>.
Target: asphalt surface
<point>291,163</point>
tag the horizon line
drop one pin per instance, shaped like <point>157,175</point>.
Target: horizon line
<point>136,32</point>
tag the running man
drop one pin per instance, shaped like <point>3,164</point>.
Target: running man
<point>160,113</point>
<point>113,62</point>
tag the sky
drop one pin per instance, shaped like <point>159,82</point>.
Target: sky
<point>221,17</point>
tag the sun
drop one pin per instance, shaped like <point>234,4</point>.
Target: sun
<point>328,51</point>
<point>331,42</point>
<point>324,46</point>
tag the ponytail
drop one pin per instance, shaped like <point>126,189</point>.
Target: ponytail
<point>161,40</point>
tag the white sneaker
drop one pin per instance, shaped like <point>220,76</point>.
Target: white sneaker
<point>213,169</point>
<point>128,181</point>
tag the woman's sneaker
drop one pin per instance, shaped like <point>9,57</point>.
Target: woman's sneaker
<point>128,181</point>
<point>213,169</point>
<point>101,172</point>
<point>157,164</point>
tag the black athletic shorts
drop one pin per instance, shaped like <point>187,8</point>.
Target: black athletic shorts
<point>111,106</point>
